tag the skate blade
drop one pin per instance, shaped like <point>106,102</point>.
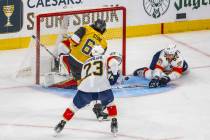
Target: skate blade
<point>115,134</point>
<point>102,119</point>
<point>55,134</point>
<point>114,131</point>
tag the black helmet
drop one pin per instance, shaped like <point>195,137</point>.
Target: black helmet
<point>99,25</point>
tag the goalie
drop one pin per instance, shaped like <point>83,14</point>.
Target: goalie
<point>75,50</point>
<point>166,65</point>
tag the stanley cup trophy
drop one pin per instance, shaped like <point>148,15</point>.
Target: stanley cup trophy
<point>8,11</point>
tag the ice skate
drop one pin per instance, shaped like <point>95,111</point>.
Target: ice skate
<point>114,126</point>
<point>98,110</point>
<point>59,127</point>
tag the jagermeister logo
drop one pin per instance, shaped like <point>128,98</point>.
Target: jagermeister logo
<point>11,14</point>
<point>156,8</point>
<point>194,4</point>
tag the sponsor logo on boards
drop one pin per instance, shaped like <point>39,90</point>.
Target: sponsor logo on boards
<point>181,5</point>
<point>194,4</point>
<point>156,8</point>
<point>75,20</point>
<point>11,15</point>
<point>51,3</point>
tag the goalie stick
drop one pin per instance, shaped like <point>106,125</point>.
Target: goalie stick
<point>43,46</point>
<point>129,86</point>
<point>121,83</point>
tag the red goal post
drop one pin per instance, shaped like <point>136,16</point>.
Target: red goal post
<point>38,28</point>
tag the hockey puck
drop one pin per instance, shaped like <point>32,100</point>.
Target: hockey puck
<point>126,78</point>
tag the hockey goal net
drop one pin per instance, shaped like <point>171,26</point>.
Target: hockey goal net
<point>51,27</point>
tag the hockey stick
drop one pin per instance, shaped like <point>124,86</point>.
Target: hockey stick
<point>129,86</point>
<point>43,46</point>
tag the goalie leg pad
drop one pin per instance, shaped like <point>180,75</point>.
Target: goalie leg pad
<point>68,114</point>
<point>48,79</point>
<point>76,68</point>
<point>64,64</point>
<point>68,84</point>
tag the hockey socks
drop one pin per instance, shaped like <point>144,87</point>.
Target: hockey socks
<point>112,111</point>
<point>68,114</point>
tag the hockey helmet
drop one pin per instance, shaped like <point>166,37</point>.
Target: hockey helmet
<point>99,25</point>
<point>117,56</point>
<point>171,49</point>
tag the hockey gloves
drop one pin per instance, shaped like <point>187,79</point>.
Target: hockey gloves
<point>113,78</point>
<point>159,82</point>
<point>164,81</point>
<point>154,83</point>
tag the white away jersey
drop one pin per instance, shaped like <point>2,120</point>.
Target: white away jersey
<point>177,62</point>
<point>173,69</point>
<point>95,74</point>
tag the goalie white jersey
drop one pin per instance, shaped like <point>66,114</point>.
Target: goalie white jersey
<point>95,73</point>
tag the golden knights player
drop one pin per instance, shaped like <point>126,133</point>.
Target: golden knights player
<point>80,45</point>
<point>98,74</point>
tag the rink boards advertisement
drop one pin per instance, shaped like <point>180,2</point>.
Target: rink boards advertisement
<point>18,16</point>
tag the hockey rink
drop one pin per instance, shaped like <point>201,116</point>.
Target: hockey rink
<point>181,113</point>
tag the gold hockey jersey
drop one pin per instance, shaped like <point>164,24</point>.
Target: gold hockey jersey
<point>86,38</point>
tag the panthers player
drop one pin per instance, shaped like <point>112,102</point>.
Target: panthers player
<point>75,50</point>
<point>166,65</point>
<point>98,74</point>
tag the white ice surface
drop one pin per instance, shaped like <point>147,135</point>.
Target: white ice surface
<point>182,113</point>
